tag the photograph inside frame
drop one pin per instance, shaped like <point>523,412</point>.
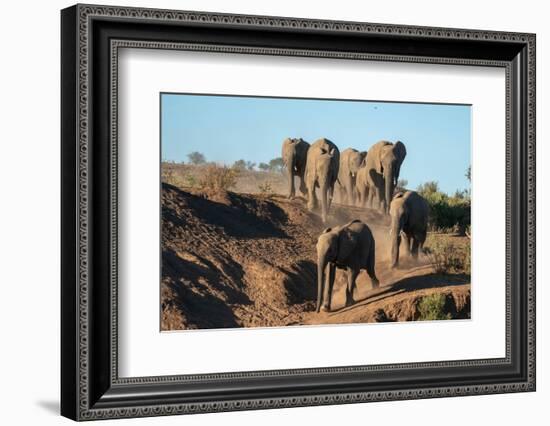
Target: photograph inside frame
<point>293,211</point>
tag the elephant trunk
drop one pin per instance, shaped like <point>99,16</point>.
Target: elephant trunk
<point>389,182</point>
<point>321,266</point>
<point>395,241</point>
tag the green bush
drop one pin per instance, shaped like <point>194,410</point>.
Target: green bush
<point>446,212</point>
<point>447,257</point>
<point>431,308</point>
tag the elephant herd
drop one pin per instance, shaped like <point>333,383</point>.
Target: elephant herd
<point>365,179</point>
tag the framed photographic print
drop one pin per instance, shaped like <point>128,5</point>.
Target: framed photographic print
<point>263,212</point>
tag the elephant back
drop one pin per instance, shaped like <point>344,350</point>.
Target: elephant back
<point>417,204</point>
<point>302,147</point>
<point>325,146</point>
<point>320,148</point>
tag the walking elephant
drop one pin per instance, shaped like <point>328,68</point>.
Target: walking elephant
<point>322,165</point>
<point>409,213</point>
<point>383,165</point>
<point>350,162</point>
<point>294,154</point>
<point>350,247</point>
<point>362,185</point>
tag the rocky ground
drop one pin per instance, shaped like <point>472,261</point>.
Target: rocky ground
<point>248,260</point>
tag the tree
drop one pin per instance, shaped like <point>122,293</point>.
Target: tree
<point>196,158</point>
<point>263,167</point>
<point>428,188</point>
<point>469,173</point>
<point>446,212</point>
<point>276,164</point>
<point>250,165</point>
<point>461,194</point>
<point>401,184</point>
<point>239,165</point>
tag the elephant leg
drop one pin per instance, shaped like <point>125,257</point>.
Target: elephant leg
<point>360,197</point>
<point>343,194</point>
<point>370,268</point>
<point>324,203</point>
<point>330,196</point>
<point>291,190</point>
<point>352,276</point>
<point>303,188</point>
<point>414,250</point>
<point>311,198</point>
<point>366,193</point>
<point>351,195</point>
<point>327,298</point>
<point>421,241</point>
<point>370,197</point>
<point>407,244</point>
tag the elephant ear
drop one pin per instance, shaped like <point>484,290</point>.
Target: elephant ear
<point>400,150</point>
<point>347,242</point>
<point>363,155</point>
<point>381,151</point>
<point>399,194</point>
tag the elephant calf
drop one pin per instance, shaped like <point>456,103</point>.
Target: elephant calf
<point>409,213</point>
<point>350,247</point>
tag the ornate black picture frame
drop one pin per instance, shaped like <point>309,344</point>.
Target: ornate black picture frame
<point>90,385</point>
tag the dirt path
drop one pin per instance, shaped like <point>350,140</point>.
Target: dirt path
<point>237,260</point>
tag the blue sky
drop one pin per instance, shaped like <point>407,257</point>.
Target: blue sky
<point>229,128</point>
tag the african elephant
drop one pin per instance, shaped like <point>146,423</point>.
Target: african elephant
<point>383,165</point>
<point>409,216</point>
<point>362,185</point>
<point>294,154</point>
<point>350,162</point>
<point>323,162</point>
<point>350,247</point>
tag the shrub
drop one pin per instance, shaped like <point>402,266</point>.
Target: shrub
<point>218,178</point>
<point>445,211</point>
<point>170,176</point>
<point>431,308</point>
<point>447,257</point>
<point>178,178</point>
<point>265,188</point>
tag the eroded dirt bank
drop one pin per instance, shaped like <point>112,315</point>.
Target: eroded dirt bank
<point>237,260</point>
